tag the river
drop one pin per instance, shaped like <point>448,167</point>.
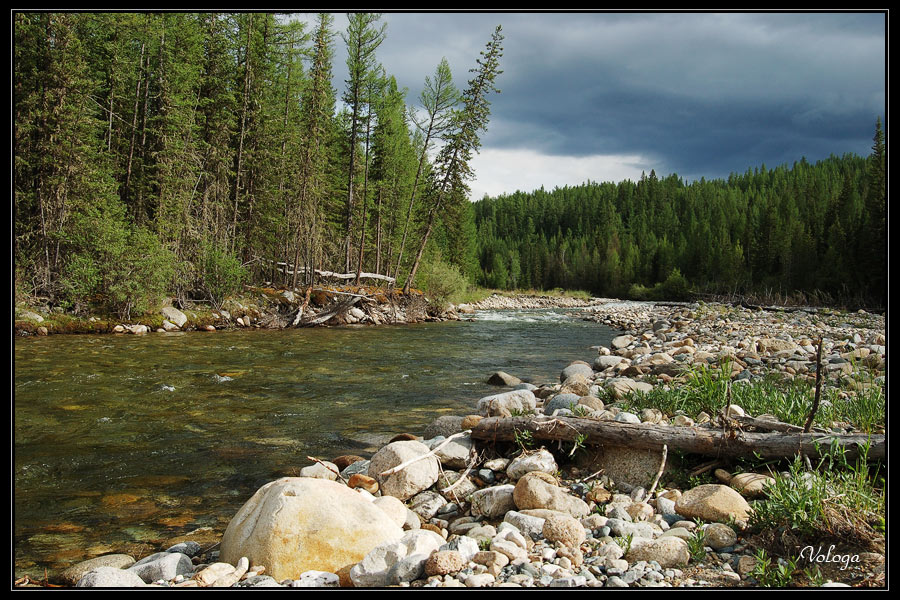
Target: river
<point>123,442</point>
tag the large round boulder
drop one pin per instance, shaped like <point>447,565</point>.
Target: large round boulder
<point>296,524</point>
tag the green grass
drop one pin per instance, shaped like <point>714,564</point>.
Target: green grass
<point>789,401</point>
<point>840,498</point>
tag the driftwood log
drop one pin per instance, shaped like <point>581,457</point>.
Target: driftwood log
<point>695,440</point>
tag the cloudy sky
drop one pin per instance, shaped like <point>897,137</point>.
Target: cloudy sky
<point>605,96</point>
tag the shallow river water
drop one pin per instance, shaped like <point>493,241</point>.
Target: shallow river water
<point>124,442</point>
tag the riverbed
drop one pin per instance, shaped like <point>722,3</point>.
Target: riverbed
<point>123,442</point>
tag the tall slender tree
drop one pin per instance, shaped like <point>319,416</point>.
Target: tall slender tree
<point>452,163</point>
<point>362,38</point>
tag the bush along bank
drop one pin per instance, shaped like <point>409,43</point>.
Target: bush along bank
<point>464,505</point>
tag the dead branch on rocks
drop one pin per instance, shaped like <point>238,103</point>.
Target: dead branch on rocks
<point>403,465</point>
<point>697,440</point>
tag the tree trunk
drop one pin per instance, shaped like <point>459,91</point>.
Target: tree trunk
<point>695,440</point>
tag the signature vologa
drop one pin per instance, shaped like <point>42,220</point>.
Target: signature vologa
<point>815,555</point>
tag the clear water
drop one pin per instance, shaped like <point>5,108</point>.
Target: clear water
<point>123,443</point>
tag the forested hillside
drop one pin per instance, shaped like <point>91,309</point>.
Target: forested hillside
<point>816,229</point>
<point>185,154</point>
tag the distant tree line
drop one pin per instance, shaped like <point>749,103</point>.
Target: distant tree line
<point>185,154</point>
<point>816,229</point>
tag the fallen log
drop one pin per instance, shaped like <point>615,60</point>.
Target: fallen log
<point>695,440</point>
<point>325,316</point>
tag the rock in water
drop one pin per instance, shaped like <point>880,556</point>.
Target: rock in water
<point>502,378</point>
<point>296,524</point>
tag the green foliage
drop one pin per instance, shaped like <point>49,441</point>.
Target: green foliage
<point>697,545</point>
<point>442,282</point>
<point>222,274</point>
<point>840,497</point>
<point>780,575</point>
<point>122,265</point>
<point>766,231</point>
<point>624,542</point>
<point>524,439</point>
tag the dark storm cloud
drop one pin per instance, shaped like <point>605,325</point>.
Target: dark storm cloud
<point>695,93</point>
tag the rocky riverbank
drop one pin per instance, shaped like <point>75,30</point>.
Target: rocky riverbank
<point>450,508</point>
<point>258,308</point>
<point>524,302</point>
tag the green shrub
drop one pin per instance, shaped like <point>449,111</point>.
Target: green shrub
<point>222,274</point>
<point>442,282</point>
<point>112,262</point>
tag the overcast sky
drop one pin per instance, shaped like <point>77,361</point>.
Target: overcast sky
<point>605,96</point>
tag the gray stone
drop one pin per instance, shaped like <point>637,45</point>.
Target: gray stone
<point>426,504</point>
<point>576,367</point>
<point>174,315</point>
<point>412,479</point>
<point>110,577</point>
<point>561,401</point>
<point>117,561</point>
<point>493,502</point>
<point>162,565</point>
<point>190,548</point>
<point>527,524</point>
<point>505,404</point>
<point>542,460</point>
<point>445,425</point>
<point>502,378</point>
<point>455,454</point>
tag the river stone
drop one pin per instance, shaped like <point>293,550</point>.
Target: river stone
<point>527,524</point>
<point>601,363</point>
<point>455,455</point>
<point>493,502</point>
<point>295,524</point>
<point>413,478</point>
<point>679,532</point>
<point>501,378</point>
<point>444,562</point>
<point>426,504</point>
<point>539,490</point>
<point>620,387</point>
<point>110,577</point>
<point>445,425</point>
<point>771,345</point>
<point>669,551</point>
<point>174,315</point>
<point>396,561</point>
<point>542,460</point>
<point>719,535</point>
<point>621,341</point>
<point>560,401</point>
<point>324,470</point>
<point>393,508</point>
<point>632,466</point>
<point>577,384</point>
<point>503,405</point>
<point>751,484</point>
<point>117,561</point>
<point>713,502</point>
<point>578,367</point>
<point>360,466</point>
<point>564,529</point>
<point>162,565</point>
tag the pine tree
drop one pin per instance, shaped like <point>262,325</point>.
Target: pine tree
<point>452,163</point>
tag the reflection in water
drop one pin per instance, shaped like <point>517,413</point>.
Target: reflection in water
<point>124,442</point>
